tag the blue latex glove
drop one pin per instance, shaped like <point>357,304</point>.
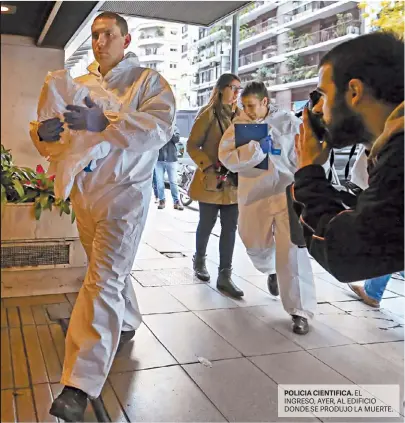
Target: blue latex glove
<point>89,118</point>
<point>265,144</point>
<point>49,130</point>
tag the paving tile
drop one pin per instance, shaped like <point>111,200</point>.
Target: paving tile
<point>34,355</point>
<point>19,360</point>
<point>246,333</point>
<point>147,252</point>
<point>382,319</point>
<point>396,286</point>
<point>6,367</point>
<point>187,337</point>
<point>58,338</point>
<point>72,297</point>
<point>259,281</point>
<point>56,312</point>
<point>25,405</point>
<point>8,409</point>
<point>34,300</point>
<point>328,292</point>
<point>162,243</point>
<point>26,315</point>
<point>183,276</point>
<point>13,317</point>
<point>392,351</point>
<point>240,391</point>
<point>112,404</point>
<point>394,305</point>
<point>163,395</point>
<point>43,401</point>
<point>360,330</point>
<point>4,322</point>
<point>298,367</point>
<point>52,363</point>
<point>40,315</point>
<point>361,366</point>
<point>200,297</point>
<point>319,335</point>
<point>144,352</point>
<point>157,300</point>
<point>166,263</point>
<point>327,308</point>
<point>89,415</point>
<point>253,295</point>
<point>352,305</point>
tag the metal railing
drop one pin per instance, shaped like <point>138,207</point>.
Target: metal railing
<point>299,74</point>
<point>258,56</point>
<point>246,33</point>
<point>323,35</point>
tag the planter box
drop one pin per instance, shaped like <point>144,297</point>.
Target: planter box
<point>39,257</point>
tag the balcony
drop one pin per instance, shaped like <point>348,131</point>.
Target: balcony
<point>253,11</point>
<point>152,57</point>
<point>216,34</point>
<point>322,40</point>
<point>297,17</point>
<point>299,77</point>
<point>150,40</point>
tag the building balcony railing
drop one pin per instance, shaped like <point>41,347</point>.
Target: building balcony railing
<point>150,39</point>
<point>275,81</point>
<point>301,42</point>
<point>252,11</point>
<point>326,34</point>
<point>279,24</point>
<point>258,56</point>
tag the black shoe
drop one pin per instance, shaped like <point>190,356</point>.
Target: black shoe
<point>272,285</point>
<point>300,325</point>
<point>225,283</point>
<point>125,337</point>
<point>162,204</point>
<point>70,405</point>
<point>200,270</point>
<point>178,205</point>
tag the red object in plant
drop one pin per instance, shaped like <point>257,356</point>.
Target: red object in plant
<point>52,178</point>
<point>40,169</point>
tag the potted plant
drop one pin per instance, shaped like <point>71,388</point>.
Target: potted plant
<point>160,32</point>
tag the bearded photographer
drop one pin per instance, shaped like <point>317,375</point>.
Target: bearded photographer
<point>361,87</point>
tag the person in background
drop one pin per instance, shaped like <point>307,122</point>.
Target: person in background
<point>263,215</point>
<point>154,185</point>
<point>372,291</point>
<point>212,185</point>
<point>111,201</point>
<point>167,162</point>
<point>361,85</point>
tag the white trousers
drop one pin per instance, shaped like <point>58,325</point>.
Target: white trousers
<point>110,230</point>
<point>275,253</point>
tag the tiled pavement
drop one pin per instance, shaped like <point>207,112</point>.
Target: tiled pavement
<point>201,356</point>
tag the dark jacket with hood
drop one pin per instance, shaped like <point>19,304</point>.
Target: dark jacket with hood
<point>168,153</point>
<point>365,240</point>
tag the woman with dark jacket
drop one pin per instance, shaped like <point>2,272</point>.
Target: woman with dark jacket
<point>213,186</point>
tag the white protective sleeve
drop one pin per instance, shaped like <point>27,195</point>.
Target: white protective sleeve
<point>242,158</point>
<point>150,125</point>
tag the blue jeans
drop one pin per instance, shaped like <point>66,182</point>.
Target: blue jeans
<point>375,287</point>
<point>154,185</point>
<point>171,169</point>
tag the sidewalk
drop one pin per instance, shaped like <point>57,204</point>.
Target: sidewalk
<point>201,356</point>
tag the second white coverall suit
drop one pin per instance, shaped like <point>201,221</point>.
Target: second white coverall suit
<point>111,204</point>
<point>263,217</point>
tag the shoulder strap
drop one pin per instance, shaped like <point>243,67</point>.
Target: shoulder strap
<point>219,122</point>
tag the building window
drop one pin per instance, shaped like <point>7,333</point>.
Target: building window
<point>173,32</point>
<point>184,48</point>
<point>184,29</point>
<point>173,65</point>
<point>173,48</point>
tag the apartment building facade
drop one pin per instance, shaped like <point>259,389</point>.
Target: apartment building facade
<point>280,43</point>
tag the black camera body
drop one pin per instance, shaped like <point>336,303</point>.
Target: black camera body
<point>315,119</point>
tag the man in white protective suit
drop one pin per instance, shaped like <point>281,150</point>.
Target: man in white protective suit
<point>111,199</point>
<point>263,217</point>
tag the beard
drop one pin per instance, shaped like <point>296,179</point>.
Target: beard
<point>346,127</point>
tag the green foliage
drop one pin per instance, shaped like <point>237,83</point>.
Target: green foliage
<point>24,185</point>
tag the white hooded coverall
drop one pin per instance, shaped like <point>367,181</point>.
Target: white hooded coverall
<point>263,217</point>
<point>111,204</point>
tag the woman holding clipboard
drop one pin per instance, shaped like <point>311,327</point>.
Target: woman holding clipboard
<point>213,186</point>
<point>259,145</point>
